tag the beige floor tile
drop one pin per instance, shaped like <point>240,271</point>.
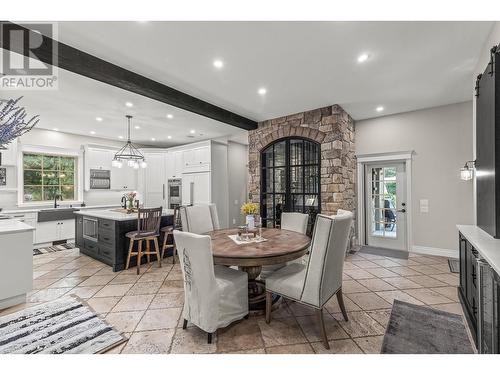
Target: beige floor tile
<point>405,262</point>
<point>154,276</point>
<point>153,342</point>
<point>386,263</point>
<point>172,286</point>
<point>117,349</point>
<point>427,296</point>
<point>56,274</point>
<point>401,282</point>
<point>454,308</point>
<point>333,306</point>
<point>43,283</point>
<point>382,272</point>
<point>85,292</point>
<point>450,292</point>
<point>346,277</point>
<point>82,272</point>
<point>68,282</point>
<point>124,321</point>
<point>117,290</point>
<point>345,346</point>
<point>164,301</point>
<point>426,281</point>
<point>97,280</point>
<point>358,273</point>
<point>192,341</point>
<point>291,349</point>
<point>381,316</point>
<point>103,305</point>
<point>360,324</point>
<point>370,256</point>
<point>427,260</point>
<point>46,295</point>
<point>299,309</point>
<point>242,335</point>
<point>133,303</point>
<point>39,274</point>
<point>174,275</point>
<point>106,271</point>
<point>428,270</point>
<point>311,328</point>
<point>249,351</point>
<point>369,301</point>
<point>283,331</point>
<point>391,295</point>
<point>376,285</point>
<point>18,307</point>
<point>350,266</point>
<point>370,345</point>
<point>448,278</point>
<point>145,288</point>
<point>159,319</point>
<point>47,267</point>
<point>353,286</point>
<point>405,271</point>
<point>125,279</point>
<point>365,264</point>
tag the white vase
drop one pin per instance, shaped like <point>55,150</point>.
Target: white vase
<point>250,221</point>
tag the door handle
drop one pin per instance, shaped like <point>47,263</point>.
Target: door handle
<point>163,190</point>
<point>402,210</point>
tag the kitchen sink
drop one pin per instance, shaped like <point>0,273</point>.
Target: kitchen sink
<point>55,214</point>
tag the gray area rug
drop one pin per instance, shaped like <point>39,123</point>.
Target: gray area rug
<point>64,326</point>
<point>384,252</point>
<point>416,329</point>
<point>55,248</point>
<point>454,265</point>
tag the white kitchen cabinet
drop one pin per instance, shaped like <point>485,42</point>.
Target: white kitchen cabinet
<point>124,178</point>
<point>98,158</point>
<point>9,156</point>
<point>196,159</point>
<point>50,231</point>
<point>155,182</point>
<point>196,188</point>
<point>27,218</point>
<point>174,164</point>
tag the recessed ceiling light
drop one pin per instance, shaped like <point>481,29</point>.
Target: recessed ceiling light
<point>137,127</point>
<point>129,104</point>
<point>170,116</point>
<point>363,57</point>
<point>120,137</point>
<point>262,91</point>
<point>169,137</point>
<point>379,108</point>
<point>98,119</point>
<point>55,129</point>
<point>92,132</point>
<point>219,64</point>
<point>153,139</point>
<point>192,131</point>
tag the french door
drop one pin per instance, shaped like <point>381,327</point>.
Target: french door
<point>290,179</point>
<point>385,205</point>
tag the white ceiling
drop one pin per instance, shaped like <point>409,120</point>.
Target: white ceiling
<point>303,65</point>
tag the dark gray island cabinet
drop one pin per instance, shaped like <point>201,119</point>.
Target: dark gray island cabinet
<point>479,288</point>
<point>101,235</point>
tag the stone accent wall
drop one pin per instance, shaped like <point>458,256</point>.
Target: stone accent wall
<point>330,126</point>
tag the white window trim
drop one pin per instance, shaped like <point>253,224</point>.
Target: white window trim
<point>78,153</point>
<point>362,160</point>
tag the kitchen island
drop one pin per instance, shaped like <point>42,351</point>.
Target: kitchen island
<point>100,234</point>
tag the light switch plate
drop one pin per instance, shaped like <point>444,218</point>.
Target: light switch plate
<point>424,205</point>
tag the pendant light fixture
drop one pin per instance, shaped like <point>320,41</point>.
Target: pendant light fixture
<point>129,153</point>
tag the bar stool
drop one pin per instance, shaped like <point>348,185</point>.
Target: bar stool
<point>169,231</point>
<point>148,229</point>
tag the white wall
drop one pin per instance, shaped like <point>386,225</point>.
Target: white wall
<point>484,58</point>
<point>41,137</point>
<point>237,161</point>
<point>441,138</point>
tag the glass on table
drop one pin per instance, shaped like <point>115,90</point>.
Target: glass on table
<point>258,226</point>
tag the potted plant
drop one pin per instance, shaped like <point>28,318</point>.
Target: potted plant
<point>249,209</point>
<point>130,197</point>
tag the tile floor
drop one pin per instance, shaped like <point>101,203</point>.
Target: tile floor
<point>147,308</point>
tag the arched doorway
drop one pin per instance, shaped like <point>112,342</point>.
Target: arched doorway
<point>290,179</point>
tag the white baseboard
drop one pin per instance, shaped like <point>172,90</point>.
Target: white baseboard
<point>450,253</point>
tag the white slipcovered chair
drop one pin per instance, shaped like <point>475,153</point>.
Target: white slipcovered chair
<point>294,221</point>
<point>214,296</point>
<point>199,218</point>
<point>352,230</point>
<point>315,283</point>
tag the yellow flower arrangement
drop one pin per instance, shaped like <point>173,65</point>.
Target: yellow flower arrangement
<point>249,208</point>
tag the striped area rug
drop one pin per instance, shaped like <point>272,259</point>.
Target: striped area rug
<point>64,326</point>
<point>55,248</point>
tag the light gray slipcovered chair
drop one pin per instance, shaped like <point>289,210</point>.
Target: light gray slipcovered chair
<point>199,218</point>
<point>315,283</point>
<point>214,296</point>
<point>352,230</point>
<point>293,221</point>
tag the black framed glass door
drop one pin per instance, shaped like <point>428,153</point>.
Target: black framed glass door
<point>290,179</point>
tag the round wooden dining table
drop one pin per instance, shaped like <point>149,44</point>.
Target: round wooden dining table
<point>280,246</point>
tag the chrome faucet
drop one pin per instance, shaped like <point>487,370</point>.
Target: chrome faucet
<point>124,202</point>
<point>55,199</point>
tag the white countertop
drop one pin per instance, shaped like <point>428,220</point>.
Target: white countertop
<point>118,216</point>
<point>487,246</point>
<point>14,226</point>
<point>38,209</point>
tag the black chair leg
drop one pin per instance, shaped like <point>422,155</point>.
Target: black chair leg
<point>209,338</point>
<point>246,316</point>
<point>184,324</point>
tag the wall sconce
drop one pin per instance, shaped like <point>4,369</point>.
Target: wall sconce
<point>467,171</point>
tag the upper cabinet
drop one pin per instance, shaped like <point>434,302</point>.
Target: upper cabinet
<point>174,164</point>
<point>196,160</point>
<point>9,156</point>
